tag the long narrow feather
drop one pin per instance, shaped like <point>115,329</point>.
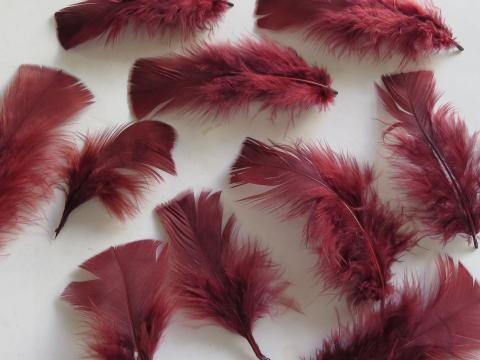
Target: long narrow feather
<point>441,324</point>
<point>222,78</point>
<point>115,166</point>
<point>437,160</point>
<point>356,237</point>
<point>377,27</point>
<point>37,103</point>
<point>216,278</point>
<point>91,19</point>
<point>128,304</point>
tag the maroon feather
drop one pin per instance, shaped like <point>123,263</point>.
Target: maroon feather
<point>221,78</point>
<point>377,27</point>
<point>91,19</point>
<point>217,278</point>
<point>115,166</point>
<point>356,237</point>
<point>128,304</point>
<point>438,162</point>
<point>441,324</point>
<point>37,103</point>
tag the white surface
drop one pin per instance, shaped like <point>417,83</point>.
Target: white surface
<point>34,324</point>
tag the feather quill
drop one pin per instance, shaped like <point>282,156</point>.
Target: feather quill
<point>115,166</point>
<point>436,159</point>
<point>216,278</point>
<point>221,78</point>
<point>91,19</point>
<point>128,304</point>
<point>380,28</point>
<point>440,324</point>
<point>356,237</point>
<point>34,107</point>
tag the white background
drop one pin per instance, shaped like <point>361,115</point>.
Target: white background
<point>35,324</point>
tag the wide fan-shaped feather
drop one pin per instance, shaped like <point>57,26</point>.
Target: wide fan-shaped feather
<point>436,159</point>
<point>115,167</point>
<point>128,304</point>
<point>441,324</point>
<point>221,78</point>
<point>356,237</point>
<point>38,101</point>
<point>377,27</point>
<point>217,278</point>
<point>91,19</point>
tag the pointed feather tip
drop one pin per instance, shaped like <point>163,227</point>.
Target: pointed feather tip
<point>229,4</point>
<point>459,47</point>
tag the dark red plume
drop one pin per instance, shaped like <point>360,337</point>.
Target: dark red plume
<point>217,278</point>
<point>219,79</point>
<point>377,27</point>
<point>127,305</point>
<point>37,103</point>
<point>356,237</point>
<point>442,323</point>
<point>437,161</point>
<point>116,165</point>
<point>91,19</point>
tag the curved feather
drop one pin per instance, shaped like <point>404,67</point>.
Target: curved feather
<point>36,104</point>
<point>222,78</point>
<point>91,19</point>
<point>127,305</point>
<point>441,324</point>
<point>356,237</point>
<point>437,160</point>
<point>377,27</point>
<point>216,278</point>
<point>116,166</point>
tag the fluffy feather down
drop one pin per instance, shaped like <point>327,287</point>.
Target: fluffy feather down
<point>38,101</point>
<point>221,78</point>
<point>91,19</point>
<point>127,305</point>
<point>441,324</point>
<point>116,165</point>
<point>356,237</point>
<point>377,27</point>
<point>217,278</point>
<point>437,160</point>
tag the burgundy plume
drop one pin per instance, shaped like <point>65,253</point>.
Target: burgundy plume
<point>37,103</point>
<point>377,27</point>
<point>356,237</point>
<point>216,278</point>
<point>115,166</point>
<point>442,323</point>
<point>221,78</point>
<point>91,19</point>
<point>437,160</point>
<point>128,305</point>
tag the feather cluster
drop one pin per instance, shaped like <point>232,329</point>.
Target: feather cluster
<point>380,28</point>
<point>127,305</point>
<point>222,78</point>
<point>356,237</point>
<point>91,19</point>
<point>115,167</point>
<point>216,278</point>
<point>437,160</point>
<point>442,324</point>
<point>37,103</point>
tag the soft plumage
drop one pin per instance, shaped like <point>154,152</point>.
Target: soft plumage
<point>437,161</point>
<point>356,236</point>
<point>377,27</point>
<point>91,19</point>
<point>34,107</point>
<point>216,277</point>
<point>116,166</point>
<point>218,79</point>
